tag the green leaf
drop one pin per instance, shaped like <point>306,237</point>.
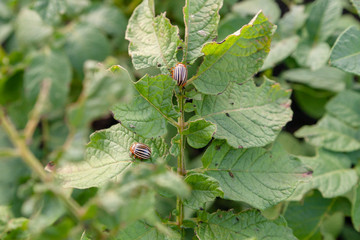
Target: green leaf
<point>12,228</point>
<point>171,184</point>
<point>75,7</point>
<point>189,107</point>
<point>333,226</point>
<point>246,115</point>
<point>158,91</point>
<point>11,87</point>
<point>248,225</point>
<point>251,7</point>
<point>133,197</point>
<point>153,40</point>
<point>311,101</point>
<point>30,28</point>
<point>355,210</point>
<point>75,146</point>
<point>345,21</point>
<point>259,177</point>
<point>140,117</point>
<point>229,24</point>
<point>356,4</point>
<point>312,55</point>
<point>314,209</point>
<point>84,43</point>
<point>175,145</point>
<point>332,134</point>
<point>11,170</point>
<point>199,133</point>
<point>332,175</point>
<point>102,88</point>
<point>345,107</point>
<point>292,21</point>
<point>143,231</point>
<point>346,51</point>
<point>107,157</point>
<point>294,146</point>
<point>51,66</point>
<point>201,19</point>
<point>45,209</point>
<point>5,31</point>
<point>106,18</point>
<point>5,12</point>
<point>236,59</point>
<point>280,50</point>
<point>322,20</point>
<point>50,10</point>
<point>204,189</point>
<point>327,78</point>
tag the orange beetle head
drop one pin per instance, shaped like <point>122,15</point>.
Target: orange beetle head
<point>132,147</point>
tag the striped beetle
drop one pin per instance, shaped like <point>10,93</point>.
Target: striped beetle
<point>140,150</point>
<point>179,74</point>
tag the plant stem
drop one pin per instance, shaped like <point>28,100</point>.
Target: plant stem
<point>37,110</point>
<point>20,144</point>
<point>181,163</point>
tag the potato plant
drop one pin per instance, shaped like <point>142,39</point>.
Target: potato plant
<point>202,145</point>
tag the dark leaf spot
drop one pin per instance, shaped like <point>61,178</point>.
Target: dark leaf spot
<point>227,114</point>
<point>309,173</point>
<point>159,65</point>
<point>217,147</point>
<point>231,174</point>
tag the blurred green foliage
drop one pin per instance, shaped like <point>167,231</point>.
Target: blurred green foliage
<point>63,50</point>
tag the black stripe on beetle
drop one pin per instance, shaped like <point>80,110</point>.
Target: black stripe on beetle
<point>140,150</point>
<point>179,74</point>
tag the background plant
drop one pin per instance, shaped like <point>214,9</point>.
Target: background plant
<point>52,99</point>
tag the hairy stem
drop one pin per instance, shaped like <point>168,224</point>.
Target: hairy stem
<point>181,163</point>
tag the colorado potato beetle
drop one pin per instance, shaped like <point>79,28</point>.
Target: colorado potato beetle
<point>179,74</point>
<point>140,150</point>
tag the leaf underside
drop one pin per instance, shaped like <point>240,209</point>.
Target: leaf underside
<point>259,177</point>
<point>107,157</point>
